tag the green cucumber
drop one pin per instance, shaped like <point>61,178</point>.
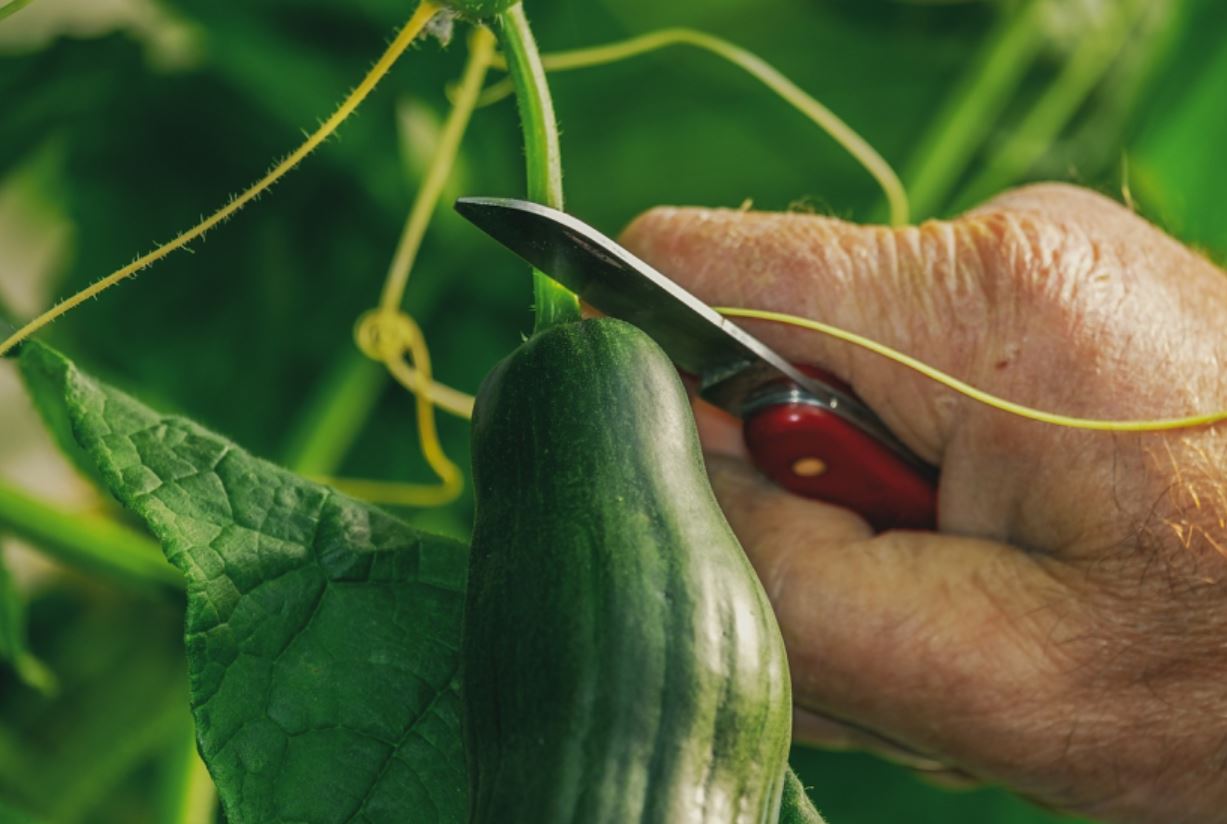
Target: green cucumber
<point>621,660</point>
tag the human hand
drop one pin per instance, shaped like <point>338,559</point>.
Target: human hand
<point>1065,632</point>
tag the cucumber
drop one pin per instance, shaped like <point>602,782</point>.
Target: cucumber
<point>621,660</point>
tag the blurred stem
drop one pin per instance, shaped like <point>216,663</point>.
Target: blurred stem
<point>1126,86</point>
<point>121,756</point>
<point>1058,104</point>
<point>13,641</point>
<point>962,125</point>
<point>188,794</point>
<point>425,12</point>
<point>12,7</point>
<point>87,542</point>
<point>554,303</point>
<point>334,416</point>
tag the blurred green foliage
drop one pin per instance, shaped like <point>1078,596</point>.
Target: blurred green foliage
<point>130,135</point>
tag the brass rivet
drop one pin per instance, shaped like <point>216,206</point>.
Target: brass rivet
<point>809,468</point>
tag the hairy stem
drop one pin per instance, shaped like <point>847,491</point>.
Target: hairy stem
<point>554,303</point>
<point>425,12</point>
<point>481,54</point>
<point>334,417</point>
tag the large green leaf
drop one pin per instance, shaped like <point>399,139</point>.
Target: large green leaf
<point>322,634</point>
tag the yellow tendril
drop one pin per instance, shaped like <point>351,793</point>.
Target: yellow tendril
<point>768,75</point>
<point>387,337</point>
<point>391,337</point>
<point>426,10</point>
<point>481,56</point>
<point>967,390</point>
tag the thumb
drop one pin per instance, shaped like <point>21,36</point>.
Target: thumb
<point>943,645</point>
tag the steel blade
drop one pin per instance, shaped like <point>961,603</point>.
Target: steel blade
<point>732,365</point>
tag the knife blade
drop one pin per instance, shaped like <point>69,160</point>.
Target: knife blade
<point>785,408</point>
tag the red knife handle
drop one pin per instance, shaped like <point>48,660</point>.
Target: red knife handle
<point>813,453</point>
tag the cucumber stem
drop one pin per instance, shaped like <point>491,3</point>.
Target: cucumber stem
<point>554,304</point>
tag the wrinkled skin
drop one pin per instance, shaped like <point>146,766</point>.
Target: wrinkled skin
<point>1066,631</point>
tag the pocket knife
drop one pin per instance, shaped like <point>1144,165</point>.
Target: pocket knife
<point>804,429</point>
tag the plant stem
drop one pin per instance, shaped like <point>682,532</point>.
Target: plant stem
<point>425,12</point>
<point>756,67</point>
<point>481,54</point>
<point>1058,104</point>
<point>87,541</point>
<point>1158,34</point>
<point>33,672</point>
<point>12,7</point>
<point>149,717</point>
<point>335,414</point>
<point>188,794</point>
<point>950,144</point>
<point>554,303</point>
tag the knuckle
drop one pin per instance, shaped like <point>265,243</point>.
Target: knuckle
<point>1055,198</point>
<point>648,227</point>
<point>1039,273</point>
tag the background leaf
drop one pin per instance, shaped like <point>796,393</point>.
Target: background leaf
<point>322,634</point>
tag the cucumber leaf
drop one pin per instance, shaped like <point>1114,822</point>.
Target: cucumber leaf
<point>322,634</point>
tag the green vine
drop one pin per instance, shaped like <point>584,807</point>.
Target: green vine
<point>13,7</point>
<point>554,303</point>
<point>756,67</point>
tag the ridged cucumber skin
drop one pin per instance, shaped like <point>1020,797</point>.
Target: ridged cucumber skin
<point>621,660</point>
